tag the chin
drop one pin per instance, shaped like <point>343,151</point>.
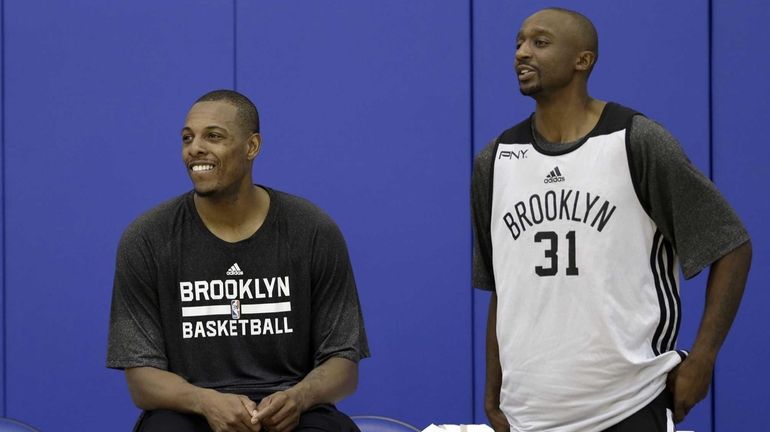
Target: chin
<point>204,192</point>
<point>530,91</point>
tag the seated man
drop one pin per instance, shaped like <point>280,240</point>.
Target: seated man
<point>234,305</point>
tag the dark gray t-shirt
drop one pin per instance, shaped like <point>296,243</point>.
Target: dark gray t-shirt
<point>683,203</point>
<point>251,317</point>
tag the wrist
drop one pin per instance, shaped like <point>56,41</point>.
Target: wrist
<point>300,398</point>
<point>200,397</point>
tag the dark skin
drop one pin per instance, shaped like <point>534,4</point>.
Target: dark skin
<point>553,64</point>
<point>219,154</point>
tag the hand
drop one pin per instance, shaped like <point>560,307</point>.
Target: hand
<point>496,418</point>
<point>279,412</point>
<point>229,412</point>
<point>689,384</point>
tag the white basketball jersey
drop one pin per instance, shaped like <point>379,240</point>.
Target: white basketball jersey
<point>588,292</point>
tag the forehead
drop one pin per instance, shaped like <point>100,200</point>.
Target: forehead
<point>551,22</point>
<point>212,113</point>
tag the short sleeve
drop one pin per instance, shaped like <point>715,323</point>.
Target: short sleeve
<point>683,203</point>
<point>135,336</point>
<point>481,212</point>
<point>337,320</point>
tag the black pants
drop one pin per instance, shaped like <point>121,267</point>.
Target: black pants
<point>652,418</point>
<point>324,418</point>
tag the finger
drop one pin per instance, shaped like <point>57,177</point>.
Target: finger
<point>231,426</point>
<point>249,404</point>
<point>679,411</point>
<point>266,409</point>
<point>288,424</point>
<point>671,378</point>
<point>286,411</point>
<point>245,425</point>
<point>251,408</point>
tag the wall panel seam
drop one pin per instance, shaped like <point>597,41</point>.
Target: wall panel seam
<point>710,80</point>
<point>472,147</point>
<point>235,44</point>
<point>2,209</point>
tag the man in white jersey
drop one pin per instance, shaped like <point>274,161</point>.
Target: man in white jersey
<point>583,214</point>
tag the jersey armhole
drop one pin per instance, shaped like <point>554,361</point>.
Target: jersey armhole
<point>636,174</point>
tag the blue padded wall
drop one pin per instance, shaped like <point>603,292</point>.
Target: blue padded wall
<point>641,65</point>
<point>373,110</point>
<point>98,96</point>
<point>741,98</point>
<point>365,111</point>
<point>2,214</point>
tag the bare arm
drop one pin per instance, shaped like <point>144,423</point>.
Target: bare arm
<point>494,372</point>
<point>689,382</point>
<point>153,388</point>
<point>330,382</point>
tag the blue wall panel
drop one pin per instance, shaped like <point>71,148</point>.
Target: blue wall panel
<point>642,64</point>
<point>2,216</point>
<point>741,41</point>
<point>366,111</point>
<point>98,96</point>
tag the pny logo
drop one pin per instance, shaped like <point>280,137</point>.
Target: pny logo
<point>512,154</point>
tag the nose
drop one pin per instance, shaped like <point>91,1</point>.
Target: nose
<point>197,147</point>
<point>523,52</point>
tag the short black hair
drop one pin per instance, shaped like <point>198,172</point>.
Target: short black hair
<point>586,29</point>
<point>248,116</point>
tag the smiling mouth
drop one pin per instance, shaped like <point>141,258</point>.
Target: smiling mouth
<point>525,74</point>
<point>200,168</point>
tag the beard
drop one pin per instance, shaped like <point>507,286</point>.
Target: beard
<point>204,193</point>
<point>531,88</point>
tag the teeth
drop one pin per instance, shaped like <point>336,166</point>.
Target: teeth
<point>202,167</point>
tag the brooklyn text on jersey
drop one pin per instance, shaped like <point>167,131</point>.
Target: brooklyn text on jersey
<point>232,289</point>
<point>564,204</point>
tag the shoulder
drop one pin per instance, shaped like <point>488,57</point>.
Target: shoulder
<point>156,223</point>
<point>645,129</point>
<point>519,134</point>
<point>300,212</point>
<point>484,158</point>
<point>648,139</point>
<point>615,117</point>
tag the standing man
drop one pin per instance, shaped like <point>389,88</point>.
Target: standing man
<point>234,306</point>
<point>582,215</point>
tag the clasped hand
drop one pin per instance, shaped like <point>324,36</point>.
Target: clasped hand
<point>278,412</point>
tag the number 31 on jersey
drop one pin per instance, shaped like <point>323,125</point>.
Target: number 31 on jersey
<point>552,254</point>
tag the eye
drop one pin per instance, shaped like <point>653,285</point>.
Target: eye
<point>214,136</point>
<point>540,43</point>
<point>187,138</point>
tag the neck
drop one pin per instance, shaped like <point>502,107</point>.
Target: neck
<point>566,116</point>
<point>236,216</point>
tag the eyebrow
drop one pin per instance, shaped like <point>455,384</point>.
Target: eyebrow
<point>187,128</point>
<point>537,31</point>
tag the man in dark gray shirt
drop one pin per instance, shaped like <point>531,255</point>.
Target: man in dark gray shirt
<point>234,305</point>
<point>582,216</point>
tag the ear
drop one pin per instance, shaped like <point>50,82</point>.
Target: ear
<point>255,144</point>
<point>585,61</point>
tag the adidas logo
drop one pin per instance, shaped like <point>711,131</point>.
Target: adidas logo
<point>554,176</point>
<point>234,270</point>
